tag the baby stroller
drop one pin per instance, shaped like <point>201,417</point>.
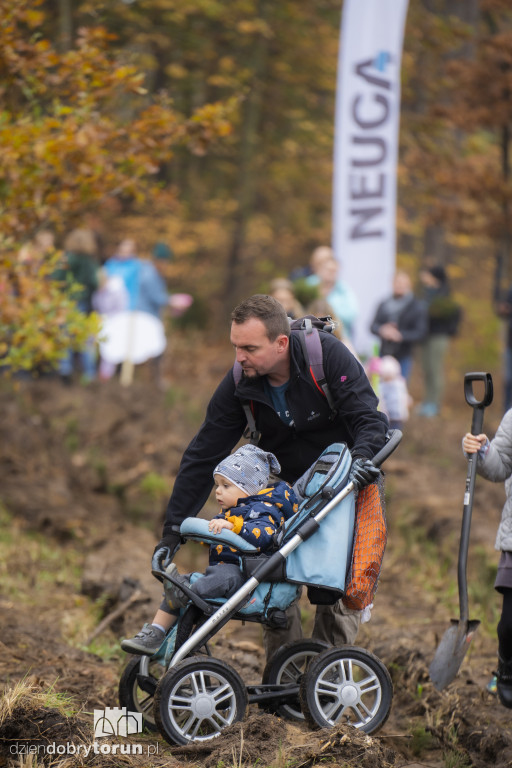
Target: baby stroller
<point>190,696</point>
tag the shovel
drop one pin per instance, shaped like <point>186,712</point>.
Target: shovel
<point>456,640</point>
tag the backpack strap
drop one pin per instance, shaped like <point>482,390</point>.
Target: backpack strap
<point>312,349</point>
<point>251,433</point>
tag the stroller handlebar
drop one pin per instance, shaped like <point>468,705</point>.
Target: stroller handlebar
<point>393,441</point>
<point>394,437</point>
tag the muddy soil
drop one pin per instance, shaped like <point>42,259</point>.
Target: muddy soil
<point>90,468</point>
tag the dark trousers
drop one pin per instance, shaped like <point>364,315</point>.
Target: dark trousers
<point>505,626</point>
<point>334,624</point>
<point>220,580</point>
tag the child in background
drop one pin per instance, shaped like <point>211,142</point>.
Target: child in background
<point>110,298</point>
<point>494,462</point>
<point>251,508</point>
<point>392,391</point>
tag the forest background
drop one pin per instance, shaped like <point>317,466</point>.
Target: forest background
<point>211,125</point>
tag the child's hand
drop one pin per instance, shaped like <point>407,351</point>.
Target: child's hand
<point>218,524</point>
<point>473,443</point>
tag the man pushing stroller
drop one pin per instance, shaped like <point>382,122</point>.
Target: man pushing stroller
<point>294,420</point>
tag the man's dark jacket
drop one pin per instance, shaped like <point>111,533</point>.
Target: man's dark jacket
<point>412,324</point>
<point>357,423</point>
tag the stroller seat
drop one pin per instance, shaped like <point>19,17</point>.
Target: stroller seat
<point>196,528</point>
<point>321,561</point>
<point>268,599</point>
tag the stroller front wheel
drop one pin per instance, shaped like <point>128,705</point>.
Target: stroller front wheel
<point>346,685</point>
<point>197,699</point>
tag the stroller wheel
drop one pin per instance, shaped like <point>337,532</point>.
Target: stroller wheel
<point>140,671</point>
<point>197,699</point>
<point>286,667</point>
<point>346,685</point>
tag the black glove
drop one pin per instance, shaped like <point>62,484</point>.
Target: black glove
<point>363,472</point>
<point>164,551</point>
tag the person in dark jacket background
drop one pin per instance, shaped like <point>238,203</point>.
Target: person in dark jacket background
<point>80,268</point>
<point>443,321</point>
<point>400,322</point>
<point>295,423</point>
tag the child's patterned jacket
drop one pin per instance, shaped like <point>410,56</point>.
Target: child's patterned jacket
<point>256,519</point>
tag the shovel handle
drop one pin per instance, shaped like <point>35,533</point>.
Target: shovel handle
<point>478,404</point>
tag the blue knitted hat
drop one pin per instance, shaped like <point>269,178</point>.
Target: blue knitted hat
<point>248,468</point>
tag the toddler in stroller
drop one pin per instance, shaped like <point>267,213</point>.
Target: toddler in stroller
<point>197,696</point>
<point>252,509</point>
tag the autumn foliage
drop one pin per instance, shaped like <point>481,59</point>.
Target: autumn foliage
<point>77,129</point>
<point>225,112</point>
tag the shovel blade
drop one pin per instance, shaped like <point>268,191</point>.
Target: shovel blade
<point>451,651</point>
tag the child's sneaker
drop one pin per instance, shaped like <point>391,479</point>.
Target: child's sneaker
<point>174,596</point>
<point>147,641</point>
<point>492,685</point>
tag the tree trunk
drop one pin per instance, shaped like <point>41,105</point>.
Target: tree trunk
<point>246,181</point>
<point>65,25</point>
<point>505,167</point>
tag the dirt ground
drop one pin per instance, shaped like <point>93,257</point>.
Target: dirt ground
<point>90,468</point>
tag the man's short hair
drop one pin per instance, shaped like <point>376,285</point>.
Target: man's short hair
<point>267,309</point>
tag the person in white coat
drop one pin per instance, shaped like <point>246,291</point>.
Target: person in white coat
<point>494,462</point>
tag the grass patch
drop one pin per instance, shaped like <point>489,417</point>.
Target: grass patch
<point>42,568</point>
<point>50,575</point>
<point>155,487</point>
<point>453,759</point>
<point>72,438</point>
<point>433,564</point>
<point>26,695</point>
<point>481,590</point>
<point>98,463</point>
<point>421,741</point>
<point>174,397</point>
<point>106,649</point>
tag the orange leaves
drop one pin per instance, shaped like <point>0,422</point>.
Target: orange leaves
<point>33,18</point>
<point>458,81</point>
<point>256,26</point>
<point>68,144</point>
<point>39,319</point>
<point>208,123</point>
<point>77,128</point>
<point>483,84</point>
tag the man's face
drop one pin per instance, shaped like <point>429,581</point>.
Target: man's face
<point>401,284</point>
<point>255,352</point>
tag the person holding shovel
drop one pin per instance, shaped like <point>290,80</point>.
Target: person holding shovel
<point>494,462</point>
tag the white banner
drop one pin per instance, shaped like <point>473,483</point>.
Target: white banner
<point>365,153</point>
